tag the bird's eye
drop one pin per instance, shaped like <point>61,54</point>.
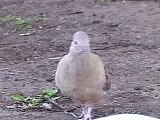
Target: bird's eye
<point>75,42</point>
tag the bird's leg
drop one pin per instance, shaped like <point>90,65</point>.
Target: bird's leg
<point>84,111</point>
<point>87,114</point>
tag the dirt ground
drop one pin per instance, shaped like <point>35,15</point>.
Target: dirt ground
<point>125,34</point>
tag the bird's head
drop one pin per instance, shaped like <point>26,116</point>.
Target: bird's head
<point>80,43</point>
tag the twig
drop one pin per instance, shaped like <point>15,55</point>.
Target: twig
<point>56,58</point>
<point>70,113</point>
<point>55,104</point>
<point>77,12</point>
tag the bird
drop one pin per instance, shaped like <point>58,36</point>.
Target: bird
<point>128,117</point>
<point>81,75</point>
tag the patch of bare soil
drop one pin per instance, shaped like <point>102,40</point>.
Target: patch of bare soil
<point>125,34</point>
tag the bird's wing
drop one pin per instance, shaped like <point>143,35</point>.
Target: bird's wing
<point>104,81</point>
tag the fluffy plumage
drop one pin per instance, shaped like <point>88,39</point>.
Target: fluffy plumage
<point>81,75</point>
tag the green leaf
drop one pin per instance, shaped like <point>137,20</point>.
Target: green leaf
<point>23,22</point>
<point>6,19</point>
<point>20,98</point>
<point>50,92</point>
<point>28,101</point>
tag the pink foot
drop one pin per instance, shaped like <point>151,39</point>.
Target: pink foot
<point>87,113</point>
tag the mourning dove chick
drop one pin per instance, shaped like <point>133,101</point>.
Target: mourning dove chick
<point>81,75</point>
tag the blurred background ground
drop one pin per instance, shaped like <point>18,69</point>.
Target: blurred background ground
<point>125,34</point>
